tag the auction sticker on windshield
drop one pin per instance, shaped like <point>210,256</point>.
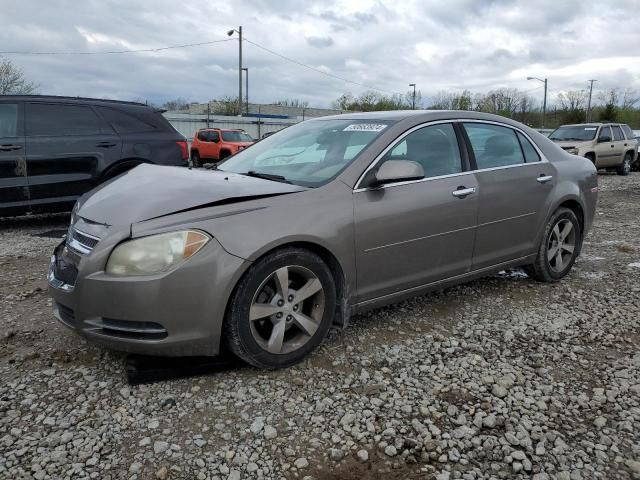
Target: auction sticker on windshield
<point>365,127</point>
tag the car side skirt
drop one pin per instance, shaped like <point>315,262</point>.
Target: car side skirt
<point>447,282</point>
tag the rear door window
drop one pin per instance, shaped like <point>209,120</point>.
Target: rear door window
<point>214,136</point>
<point>605,132</point>
<point>493,145</point>
<point>45,119</point>
<point>8,119</point>
<point>122,122</point>
<point>530,153</point>
<point>617,133</point>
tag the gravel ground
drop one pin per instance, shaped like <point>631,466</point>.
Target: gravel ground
<point>499,378</point>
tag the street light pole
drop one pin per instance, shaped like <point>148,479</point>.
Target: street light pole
<point>544,103</point>
<point>589,104</point>
<point>239,31</point>
<point>413,99</point>
<point>246,87</point>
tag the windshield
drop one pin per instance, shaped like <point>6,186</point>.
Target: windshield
<point>310,153</point>
<point>236,137</point>
<point>578,132</point>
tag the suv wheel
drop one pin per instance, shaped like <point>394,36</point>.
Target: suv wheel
<point>281,310</point>
<point>625,168</point>
<point>560,246</point>
<point>195,159</point>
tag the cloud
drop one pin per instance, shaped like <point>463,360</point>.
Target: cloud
<point>454,45</point>
<point>320,42</point>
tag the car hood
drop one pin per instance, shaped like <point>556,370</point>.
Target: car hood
<point>151,191</point>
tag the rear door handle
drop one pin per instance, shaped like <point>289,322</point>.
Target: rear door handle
<point>462,192</point>
<point>544,178</point>
<point>105,145</point>
<point>8,147</point>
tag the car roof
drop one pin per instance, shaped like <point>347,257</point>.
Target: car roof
<point>57,98</point>
<point>594,124</point>
<point>422,116</point>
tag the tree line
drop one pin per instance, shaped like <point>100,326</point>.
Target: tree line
<point>568,107</point>
<point>614,105</point>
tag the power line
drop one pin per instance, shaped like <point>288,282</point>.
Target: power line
<point>114,52</point>
<point>316,69</point>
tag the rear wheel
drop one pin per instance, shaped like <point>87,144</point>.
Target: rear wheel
<point>559,248</point>
<point>625,167</point>
<point>281,310</point>
<point>195,159</point>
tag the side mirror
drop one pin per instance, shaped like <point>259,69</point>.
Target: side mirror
<point>398,171</point>
<point>604,139</point>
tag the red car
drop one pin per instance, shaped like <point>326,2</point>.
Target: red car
<point>216,144</point>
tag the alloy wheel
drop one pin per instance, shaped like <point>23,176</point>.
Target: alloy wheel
<point>626,165</point>
<point>287,309</point>
<point>561,245</point>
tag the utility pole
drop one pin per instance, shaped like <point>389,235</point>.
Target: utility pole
<point>413,97</point>
<point>589,104</point>
<point>239,31</point>
<point>246,87</point>
<point>544,102</point>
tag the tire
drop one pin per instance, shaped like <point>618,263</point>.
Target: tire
<point>591,156</point>
<point>195,159</point>
<point>544,269</point>
<point>224,154</point>
<point>282,332</point>
<point>625,167</point>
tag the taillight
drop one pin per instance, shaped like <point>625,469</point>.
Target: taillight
<point>184,149</point>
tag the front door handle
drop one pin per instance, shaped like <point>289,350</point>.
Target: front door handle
<point>105,145</point>
<point>462,192</point>
<point>8,147</point>
<point>544,178</point>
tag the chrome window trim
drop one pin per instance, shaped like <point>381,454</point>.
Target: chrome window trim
<point>357,188</point>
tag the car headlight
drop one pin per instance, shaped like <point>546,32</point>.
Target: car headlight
<point>156,253</point>
<point>74,212</point>
<point>573,151</point>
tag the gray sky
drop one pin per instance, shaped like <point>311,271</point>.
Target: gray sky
<point>440,45</point>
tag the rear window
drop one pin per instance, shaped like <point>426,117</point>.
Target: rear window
<point>62,120</point>
<point>627,131</point>
<point>236,137</point>
<point>123,122</point>
<point>8,119</point>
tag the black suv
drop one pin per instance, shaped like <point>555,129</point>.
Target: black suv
<point>54,149</point>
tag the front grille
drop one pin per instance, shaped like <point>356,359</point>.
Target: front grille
<point>81,242</point>
<point>85,240</point>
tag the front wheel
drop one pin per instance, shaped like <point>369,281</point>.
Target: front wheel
<point>195,159</point>
<point>281,310</point>
<point>625,167</point>
<point>560,246</point>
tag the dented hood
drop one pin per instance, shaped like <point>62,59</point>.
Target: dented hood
<point>151,191</point>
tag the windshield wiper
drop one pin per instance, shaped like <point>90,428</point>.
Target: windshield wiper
<point>267,176</point>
